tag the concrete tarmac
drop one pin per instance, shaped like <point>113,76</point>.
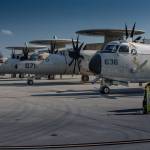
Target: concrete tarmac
<point>68,112</point>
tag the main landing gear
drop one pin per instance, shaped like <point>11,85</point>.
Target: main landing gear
<point>30,80</point>
<point>84,78</point>
<point>51,77</point>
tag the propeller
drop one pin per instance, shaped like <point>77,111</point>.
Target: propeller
<point>132,33</point>
<point>137,39</point>
<point>75,54</point>
<point>126,29</point>
<point>133,30</point>
<point>53,49</point>
<point>26,51</point>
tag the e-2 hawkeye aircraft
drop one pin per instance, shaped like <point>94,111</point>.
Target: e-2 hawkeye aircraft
<point>122,61</point>
<point>19,54</point>
<point>58,62</point>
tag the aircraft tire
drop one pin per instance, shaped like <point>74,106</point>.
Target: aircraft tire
<point>105,90</point>
<point>21,75</point>
<point>85,78</point>
<point>51,77</point>
<point>30,82</point>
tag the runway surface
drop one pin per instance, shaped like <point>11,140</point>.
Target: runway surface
<point>68,112</point>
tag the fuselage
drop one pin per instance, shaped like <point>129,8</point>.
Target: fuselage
<point>9,66</point>
<point>123,61</point>
<point>52,64</point>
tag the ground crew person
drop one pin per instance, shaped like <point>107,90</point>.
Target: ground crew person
<point>146,101</point>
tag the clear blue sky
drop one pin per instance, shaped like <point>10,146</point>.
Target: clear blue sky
<point>25,20</point>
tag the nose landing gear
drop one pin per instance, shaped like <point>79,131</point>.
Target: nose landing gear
<point>104,86</point>
<point>104,89</point>
<point>30,80</point>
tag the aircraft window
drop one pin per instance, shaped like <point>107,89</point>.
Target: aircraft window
<point>124,49</point>
<point>33,57</point>
<point>111,48</point>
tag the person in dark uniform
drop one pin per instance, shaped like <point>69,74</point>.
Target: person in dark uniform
<point>146,100</point>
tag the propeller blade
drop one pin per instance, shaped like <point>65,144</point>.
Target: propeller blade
<point>138,38</point>
<point>55,37</point>
<point>51,47</point>
<point>26,44</point>
<point>79,66</point>
<point>71,62</point>
<point>77,44</point>
<point>73,45</point>
<point>74,67</point>
<point>133,29</point>
<point>79,49</point>
<point>126,29</point>
<point>26,51</point>
<point>54,44</point>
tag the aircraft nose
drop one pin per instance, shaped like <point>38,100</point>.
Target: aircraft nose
<point>95,64</point>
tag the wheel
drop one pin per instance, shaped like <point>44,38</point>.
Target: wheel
<point>85,78</point>
<point>30,82</point>
<point>21,75</point>
<point>51,77</point>
<point>105,90</point>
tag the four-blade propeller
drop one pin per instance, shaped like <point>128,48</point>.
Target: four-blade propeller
<point>75,54</point>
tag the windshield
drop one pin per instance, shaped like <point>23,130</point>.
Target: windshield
<point>110,48</point>
<point>124,49</point>
<point>34,57</point>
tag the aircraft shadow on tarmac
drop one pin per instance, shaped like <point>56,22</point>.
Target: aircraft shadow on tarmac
<point>23,83</point>
<point>58,83</point>
<point>124,92</point>
<point>115,93</point>
<point>70,93</point>
<point>133,111</point>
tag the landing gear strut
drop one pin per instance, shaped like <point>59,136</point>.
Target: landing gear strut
<point>85,78</point>
<point>51,77</point>
<point>21,75</point>
<point>30,80</point>
<point>104,86</point>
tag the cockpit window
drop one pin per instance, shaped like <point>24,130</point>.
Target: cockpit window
<point>34,57</point>
<point>111,48</point>
<point>124,49</point>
